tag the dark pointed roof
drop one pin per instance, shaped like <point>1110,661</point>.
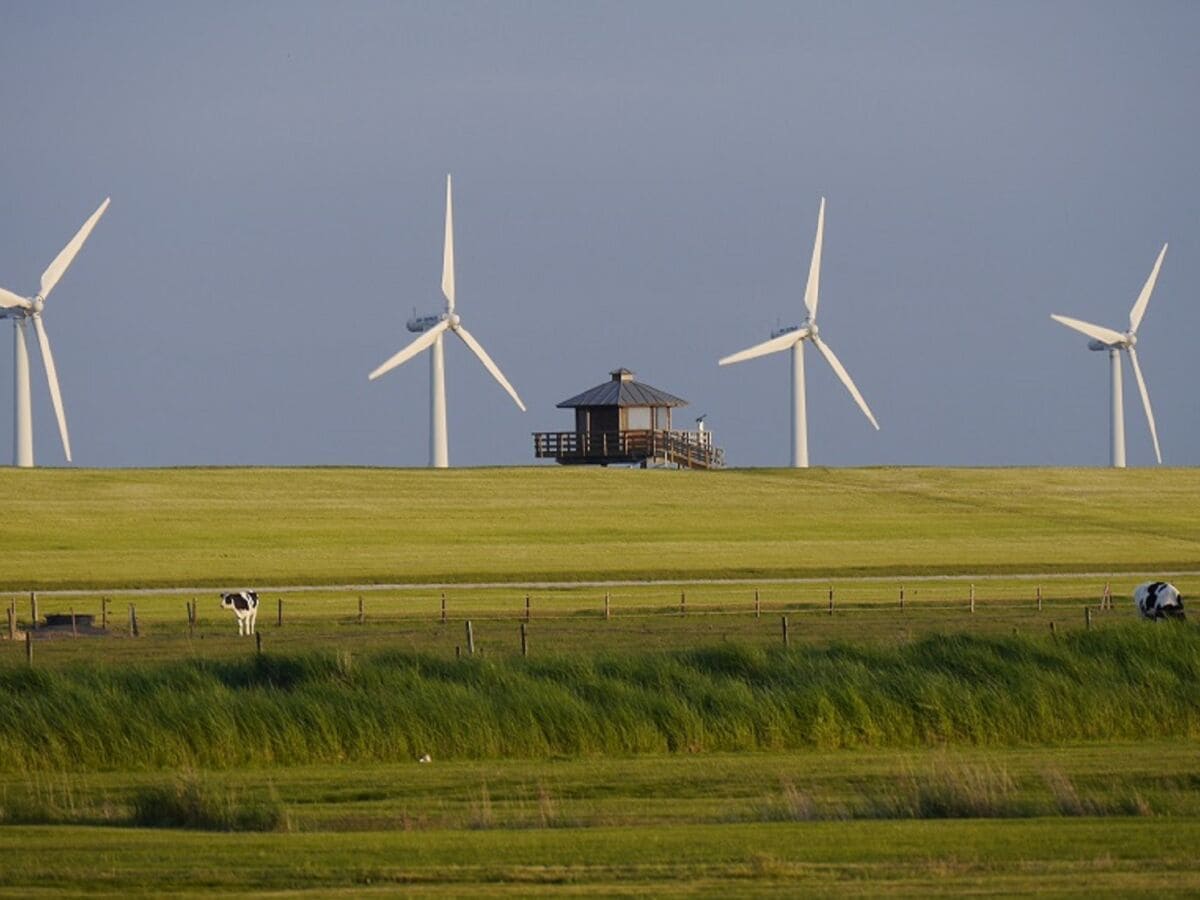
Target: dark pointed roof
<point>622,390</point>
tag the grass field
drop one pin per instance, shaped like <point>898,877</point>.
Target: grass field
<point>673,747</point>
<point>133,528</point>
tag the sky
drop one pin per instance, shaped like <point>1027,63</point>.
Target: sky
<point>636,184</point>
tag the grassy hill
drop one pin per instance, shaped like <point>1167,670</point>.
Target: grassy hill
<point>110,528</point>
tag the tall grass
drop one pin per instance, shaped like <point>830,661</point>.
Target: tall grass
<point>321,707</point>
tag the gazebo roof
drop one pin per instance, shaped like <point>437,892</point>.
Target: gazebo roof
<point>622,390</point>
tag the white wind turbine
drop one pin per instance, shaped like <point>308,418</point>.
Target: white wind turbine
<point>1114,342</point>
<point>793,337</point>
<point>23,310</point>
<point>432,329</point>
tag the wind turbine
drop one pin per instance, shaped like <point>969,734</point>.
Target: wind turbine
<point>432,329</point>
<point>792,337</point>
<point>23,310</point>
<point>1114,342</point>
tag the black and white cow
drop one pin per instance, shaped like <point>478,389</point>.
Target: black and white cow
<point>1158,600</point>
<point>245,606</point>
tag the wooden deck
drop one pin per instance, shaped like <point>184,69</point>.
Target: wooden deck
<point>686,449</point>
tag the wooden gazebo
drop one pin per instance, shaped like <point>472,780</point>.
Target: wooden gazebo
<point>623,421</point>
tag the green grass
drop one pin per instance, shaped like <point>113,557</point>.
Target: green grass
<point>664,751</point>
<point>1064,857</point>
<point>126,528</point>
<point>297,709</point>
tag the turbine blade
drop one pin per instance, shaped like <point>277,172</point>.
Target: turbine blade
<point>841,373</point>
<point>56,269</point>
<point>1098,332</point>
<point>448,253</point>
<point>812,290</point>
<point>1139,305</point>
<point>774,345</point>
<point>1137,373</point>
<point>52,377</point>
<point>421,343</point>
<point>479,352</point>
<point>8,300</point>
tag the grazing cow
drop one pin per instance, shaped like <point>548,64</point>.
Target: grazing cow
<point>1158,600</point>
<point>245,606</point>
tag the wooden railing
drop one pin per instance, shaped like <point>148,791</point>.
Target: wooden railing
<point>691,449</point>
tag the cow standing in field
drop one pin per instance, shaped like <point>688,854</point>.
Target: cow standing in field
<point>245,606</point>
<point>1158,600</point>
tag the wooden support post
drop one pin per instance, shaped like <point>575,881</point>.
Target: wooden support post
<point>12,623</point>
<point>901,598</point>
<point>757,606</point>
<point>1039,598</point>
<point>133,625</point>
<point>279,614</point>
<point>524,640</point>
<point>784,625</point>
<point>74,629</point>
<point>29,648</point>
<point>1106,597</point>
<point>470,639</point>
<point>443,609</point>
<point>607,607</point>
<point>682,603</point>
<point>33,607</point>
<point>258,643</point>
<point>831,600</point>
<point>527,611</point>
<point>1087,618</point>
<point>104,613</point>
<point>362,616</point>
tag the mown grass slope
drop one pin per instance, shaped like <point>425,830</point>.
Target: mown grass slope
<point>113,528</point>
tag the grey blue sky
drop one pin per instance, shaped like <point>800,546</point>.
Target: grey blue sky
<point>636,184</point>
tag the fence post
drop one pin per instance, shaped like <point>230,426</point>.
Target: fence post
<point>1087,618</point>
<point>33,607</point>
<point>104,613</point>
<point>74,630</point>
<point>12,624</point>
<point>784,624</point>
<point>831,600</point>
<point>133,625</point>
<point>29,648</point>
<point>682,603</point>
<point>607,610</point>
<point>1039,598</point>
<point>1053,633</point>
<point>361,612</point>
<point>757,606</point>
<point>279,614</point>
<point>1106,597</point>
<point>443,608</point>
<point>470,639</point>
<point>901,598</point>
<point>972,598</point>
<point>524,640</point>
<point>526,607</point>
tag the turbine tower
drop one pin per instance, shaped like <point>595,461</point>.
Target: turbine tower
<point>792,338</point>
<point>23,310</point>
<point>1114,342</point>
<point>432,328</point>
